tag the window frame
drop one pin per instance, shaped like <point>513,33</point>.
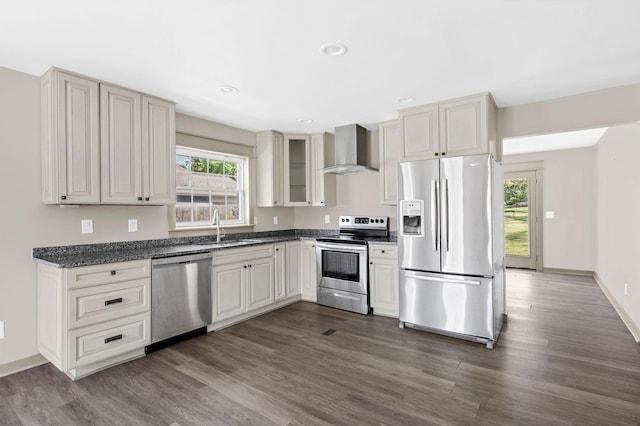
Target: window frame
<point>242,164</point>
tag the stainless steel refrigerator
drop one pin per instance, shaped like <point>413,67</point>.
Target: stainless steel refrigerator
<point>451,246</point>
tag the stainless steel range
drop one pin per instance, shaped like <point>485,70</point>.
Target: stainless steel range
<point>343,273</point>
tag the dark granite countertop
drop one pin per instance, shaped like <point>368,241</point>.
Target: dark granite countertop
<point>97,254</point>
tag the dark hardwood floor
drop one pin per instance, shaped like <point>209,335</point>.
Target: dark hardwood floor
<point>563,358</point>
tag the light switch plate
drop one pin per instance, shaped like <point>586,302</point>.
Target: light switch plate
<point>87,226</point>
<point>550,215</point>
<point>275,220</point>
<point>1,329</point>
<point>133,225</point>
<point>327,218</point>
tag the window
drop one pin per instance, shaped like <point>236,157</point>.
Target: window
<point>206,181</point>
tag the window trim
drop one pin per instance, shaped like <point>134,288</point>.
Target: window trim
<point>243,191</point>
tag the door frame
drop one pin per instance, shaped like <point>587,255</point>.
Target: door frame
<point>537,168</point>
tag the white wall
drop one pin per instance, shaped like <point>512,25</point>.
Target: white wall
<point>569,191</point>
<point>618,214</point>
<point>356,194</point>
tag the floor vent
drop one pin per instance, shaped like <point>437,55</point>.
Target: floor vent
<point>329,332</point>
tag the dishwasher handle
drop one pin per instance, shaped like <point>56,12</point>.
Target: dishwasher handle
<point>189,258</point>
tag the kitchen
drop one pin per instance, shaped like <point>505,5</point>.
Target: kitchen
<point>50,225</point>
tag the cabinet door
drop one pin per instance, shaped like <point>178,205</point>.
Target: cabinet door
<point>279,271</point>
<point>70,139</point>
<point>228,291</point>
<point>463,127</point>
<point>383,279</point>
<point>389,158</point>
<point>297,183</point>
<point>309,268</point>
<point>120,126</point>
<point>158,151</point>
<point>259,274</point>
<point>293,268</point>
<point>323,185</point>
<point>269,169</point>
<point>419,129</point>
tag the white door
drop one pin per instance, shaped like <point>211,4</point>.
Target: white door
<point>293,268</point>
<point>158,151</point>
<point>228,291</point>
<point>120,125</point>
<point>260,290</point>
<point>309,268</point>
<point>520,219</point>
<point>383,280</point>
<point>279,271</point>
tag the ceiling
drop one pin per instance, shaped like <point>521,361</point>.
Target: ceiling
<point>520,50</point>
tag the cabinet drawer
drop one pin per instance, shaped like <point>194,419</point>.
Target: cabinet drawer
<point>95,343</point>
<point>110,273</point>
<point>240,255</point>
<point>383,251</point>
<point>92,305</point>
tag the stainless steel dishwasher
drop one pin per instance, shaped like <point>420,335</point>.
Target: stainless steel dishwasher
<point>180,298</point>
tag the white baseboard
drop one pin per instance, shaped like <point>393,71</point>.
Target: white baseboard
<point>22,364</point>
<point>568,271</point>
<point>626,319</point>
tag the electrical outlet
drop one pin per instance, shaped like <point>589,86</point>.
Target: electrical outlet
<point>550,215</point>
<point>87,226</point>
<point>133,225</point>
<point>626,289</point>
<point>1,329</point>
<point>327,218</point>
<point>275,220</point>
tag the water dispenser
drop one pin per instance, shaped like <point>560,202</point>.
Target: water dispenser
<point>412,216</point>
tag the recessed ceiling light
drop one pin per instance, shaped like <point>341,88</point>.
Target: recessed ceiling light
<point>305,121</point>
<point>405,99</point>
<point>228,89</point>
<point>333,49</point>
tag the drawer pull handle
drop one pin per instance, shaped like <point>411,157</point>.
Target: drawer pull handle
<point>113,272</point>
<point>112,301</point>
<point>112,338</point>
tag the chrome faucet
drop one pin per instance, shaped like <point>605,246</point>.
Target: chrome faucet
<point>216,219</point>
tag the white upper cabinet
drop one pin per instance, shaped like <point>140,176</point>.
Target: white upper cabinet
<point>465,126</point>
<point>270,169</point>
<point>289,169</point>
<point>158,151</point>
<point>121,140</point>
<point>70,139</point>
<point>390,154</point>
<point>323,185</point>
<point>105,144</point>
<point>420,132</point>
<point>297,170</point>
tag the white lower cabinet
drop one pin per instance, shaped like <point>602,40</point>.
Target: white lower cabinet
<point>293,277</point>
<point>279,271</point>
<point>93,317</point>
<point>228,291</point>
<point>243,281</point>
<point>309,271</point>
<point>383,279</point>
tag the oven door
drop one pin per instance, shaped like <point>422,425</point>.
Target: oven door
<point>342,266</point>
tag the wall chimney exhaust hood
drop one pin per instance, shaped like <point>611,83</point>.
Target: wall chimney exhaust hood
<point>350,150</point>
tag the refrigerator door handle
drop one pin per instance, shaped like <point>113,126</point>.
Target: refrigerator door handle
<point>445,214</point>
<point>434,213</point>
<point>441,280</point>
